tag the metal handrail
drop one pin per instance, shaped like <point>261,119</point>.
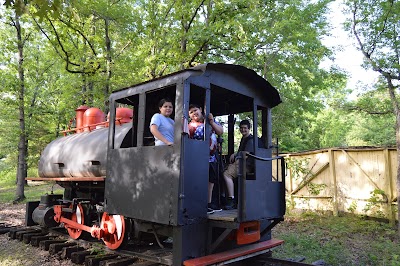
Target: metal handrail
<point>264,159</point>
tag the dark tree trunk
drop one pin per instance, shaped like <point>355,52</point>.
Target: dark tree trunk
<point>396,110</point>
<point>398,169</point>
<point>22,145</point>
<point>109,61</point>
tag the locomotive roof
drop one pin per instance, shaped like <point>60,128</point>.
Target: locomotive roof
<point>253,82</point>
<point>250,77</point>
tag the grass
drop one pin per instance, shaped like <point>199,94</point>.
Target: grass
<point>347,240</point>
<point>32,191</point>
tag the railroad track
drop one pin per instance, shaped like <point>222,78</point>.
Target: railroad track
<point>92,253</point>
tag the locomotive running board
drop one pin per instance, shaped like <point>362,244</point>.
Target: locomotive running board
<point>67,179</point>
<point>237,254</point>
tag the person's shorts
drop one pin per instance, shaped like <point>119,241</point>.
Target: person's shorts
<point>232,170</point>
<point>213,172</point>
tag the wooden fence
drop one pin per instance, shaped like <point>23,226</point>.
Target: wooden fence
<point>355,180</point>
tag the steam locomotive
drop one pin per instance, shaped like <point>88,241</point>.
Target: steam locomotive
<point>120,188</point>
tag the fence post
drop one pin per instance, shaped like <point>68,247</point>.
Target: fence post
<point>333,177</point>
<point>290,183</point>
<point>389,187</point>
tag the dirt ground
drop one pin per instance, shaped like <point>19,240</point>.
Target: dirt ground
<point>16,253</point>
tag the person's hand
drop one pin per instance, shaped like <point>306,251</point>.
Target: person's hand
<point>169,143</point>
<point>210,118</point>
<point>232,158</point>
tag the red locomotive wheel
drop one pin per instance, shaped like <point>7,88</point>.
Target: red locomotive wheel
<point>115,228</point>
<point>77,216</point>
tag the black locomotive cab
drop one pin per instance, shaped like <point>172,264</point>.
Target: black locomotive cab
<point>167,185</point>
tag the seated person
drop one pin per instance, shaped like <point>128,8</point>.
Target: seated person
<point>246,144</point>
<point>196,131</point>
<point>161,125</point>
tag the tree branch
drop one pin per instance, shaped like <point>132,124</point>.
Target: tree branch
<point>169,10</point>
<point>48,38</point>
<point>385,21</point>
<point>392,94</point>
<point>371,112</point>
<point>81,34</point>
<point>396,36</point>
<point>66,58</point>
<point>123,48</point>
<point>195,13</point>
<point>367,55</point>
<point>197,52</point>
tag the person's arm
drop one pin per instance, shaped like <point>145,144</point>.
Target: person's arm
<point>250,163</point>
<point>216,127</point>
<point>156,133</point>
<point>249,145</point>
<point>232,158</point>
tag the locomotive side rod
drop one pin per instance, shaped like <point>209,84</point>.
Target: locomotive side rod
<point>94,231</point>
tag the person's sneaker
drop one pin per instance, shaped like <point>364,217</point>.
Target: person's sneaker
<point>214,207</point>
<point>169,240</point>
<point>210,211</point>
<point>230,204</point>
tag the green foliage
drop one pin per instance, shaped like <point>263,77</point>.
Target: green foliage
<point>294,245</point>
<point>376,24</point>
<point>303,100</point>
<point>308,214</point>
<point>374,204</point>
<point>77,52</point>
<point>372,112</point>
<point>298,167</point>
<point>290,205</point>
<point>372,131</point>
<point>353,206</point>
<point>331,128</point>
<point>300,170</point>
<point>315,189</point>
<point>348,240</point>
<point>366,121</point>
<point>33,191</point>
<point>7,178</point>
<point>45,7</point>
<point>315,246</point>
<point>97,249</point>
